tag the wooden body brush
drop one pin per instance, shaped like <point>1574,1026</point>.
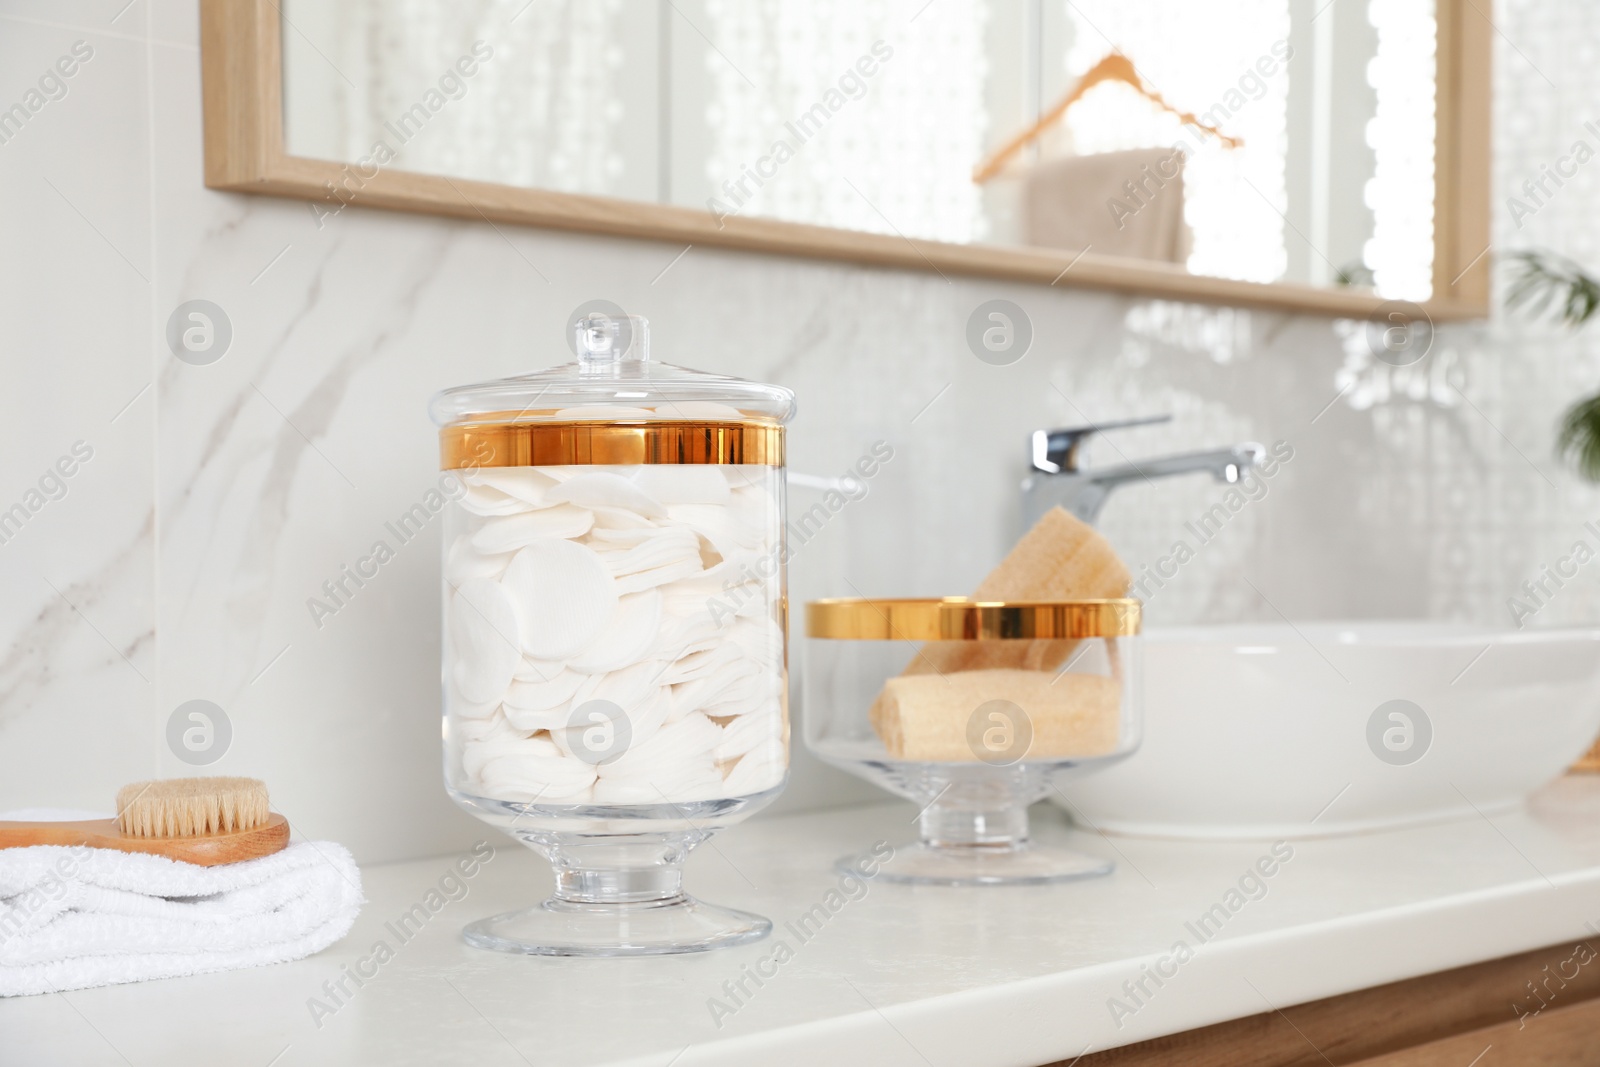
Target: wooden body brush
<point>205,821</point>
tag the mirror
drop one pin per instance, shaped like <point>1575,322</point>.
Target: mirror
<point>1302,154</point>
<point>1260,140</point>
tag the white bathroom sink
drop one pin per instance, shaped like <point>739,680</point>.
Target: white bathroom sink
<point>1276,730</point>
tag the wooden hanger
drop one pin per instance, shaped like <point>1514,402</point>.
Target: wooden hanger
<point>1114,67</point>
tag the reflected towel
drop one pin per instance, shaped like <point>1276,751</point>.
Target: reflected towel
<point>1080,202</point>
<point>74,917</point>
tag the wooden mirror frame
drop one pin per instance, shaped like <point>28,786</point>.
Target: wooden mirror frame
<point>241,53</point>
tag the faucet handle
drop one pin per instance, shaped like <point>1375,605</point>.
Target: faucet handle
<point>1055,451</point>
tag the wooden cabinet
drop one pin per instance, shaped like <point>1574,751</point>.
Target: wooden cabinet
<point>1537,1009</point>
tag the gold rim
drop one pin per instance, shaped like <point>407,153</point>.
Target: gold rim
<point>961,619</point>
<point>561,444</point>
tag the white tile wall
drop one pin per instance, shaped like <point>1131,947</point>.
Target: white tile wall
<point>219,498</point>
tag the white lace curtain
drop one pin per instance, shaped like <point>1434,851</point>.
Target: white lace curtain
<point>540,113</point>
<point>896,160</point>
<point>1402,134</point>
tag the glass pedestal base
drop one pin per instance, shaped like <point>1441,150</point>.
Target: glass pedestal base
<point>616,895</point>
<point>645,928</point>
<point>921,863</point>
<point>974,831</point>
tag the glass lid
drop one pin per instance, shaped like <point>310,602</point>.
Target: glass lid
<point>613,380</point>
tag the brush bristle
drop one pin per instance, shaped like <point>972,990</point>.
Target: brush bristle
<point>191,807</point>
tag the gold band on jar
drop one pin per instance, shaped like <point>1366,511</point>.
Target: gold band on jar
<point>560,444</point>
<point>961,619</point>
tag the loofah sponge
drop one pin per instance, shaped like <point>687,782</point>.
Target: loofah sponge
<point>1061,558</point>
<point>934,718</point>
<point>924,714</point>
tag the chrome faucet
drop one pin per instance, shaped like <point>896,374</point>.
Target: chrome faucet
<point>1056,477</point>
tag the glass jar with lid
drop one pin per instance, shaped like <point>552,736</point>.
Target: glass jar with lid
<point>614,654</point>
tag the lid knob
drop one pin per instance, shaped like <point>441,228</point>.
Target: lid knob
<point>601,338</point>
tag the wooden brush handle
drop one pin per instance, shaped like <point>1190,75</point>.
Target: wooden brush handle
<point>209,850</point>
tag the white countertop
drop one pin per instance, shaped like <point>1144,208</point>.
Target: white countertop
<point>1009,977</point>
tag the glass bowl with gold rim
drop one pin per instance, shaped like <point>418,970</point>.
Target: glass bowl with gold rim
<point>973,710</point>
<point>614,664</point>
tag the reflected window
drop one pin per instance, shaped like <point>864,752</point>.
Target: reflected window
<point>1234,198</point>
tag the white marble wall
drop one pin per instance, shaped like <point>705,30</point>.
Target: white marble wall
<point>219,498</point>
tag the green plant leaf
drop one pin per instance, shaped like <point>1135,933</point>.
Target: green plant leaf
<point>1545,284</point>
<point>1579,438</point>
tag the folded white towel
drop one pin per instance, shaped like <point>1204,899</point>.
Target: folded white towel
<point>71,918</point>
